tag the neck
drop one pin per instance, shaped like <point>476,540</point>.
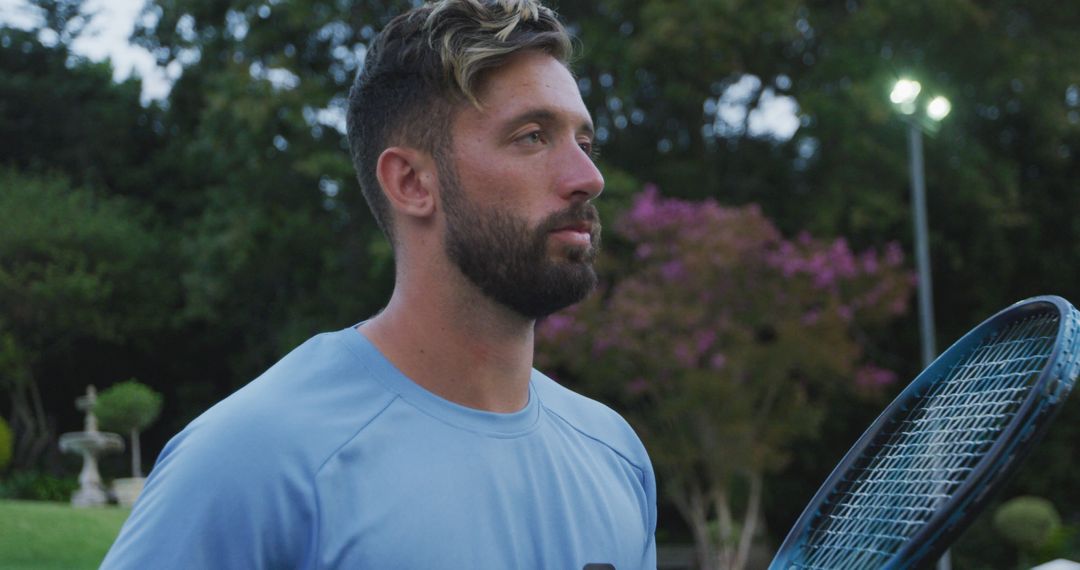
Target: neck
<point>456,343</point>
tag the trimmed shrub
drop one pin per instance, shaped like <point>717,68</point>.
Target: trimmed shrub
<point>127,406</point>
<point>1027,522</point>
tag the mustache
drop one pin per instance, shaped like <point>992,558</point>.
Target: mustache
<point>576,214</point>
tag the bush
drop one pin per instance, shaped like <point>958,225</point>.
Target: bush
<point>1027,522</point>
<point>36,486</point>
<point>5,444</point>
<point>127,406</point>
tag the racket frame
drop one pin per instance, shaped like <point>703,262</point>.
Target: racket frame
<point>995,467</point>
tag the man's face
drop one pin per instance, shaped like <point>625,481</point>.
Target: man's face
<point>517,189</point>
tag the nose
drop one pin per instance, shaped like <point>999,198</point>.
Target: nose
<point>581,179</point>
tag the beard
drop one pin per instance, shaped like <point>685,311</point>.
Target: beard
<point>509,261</point>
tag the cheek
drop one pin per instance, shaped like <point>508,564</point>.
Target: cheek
<point>480,175</point>
<point>512,183</point>
<point>500,183</point>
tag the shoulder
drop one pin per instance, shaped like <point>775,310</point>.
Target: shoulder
<point>592,419</point>
<point>308,404</point>
<point>235,488</point>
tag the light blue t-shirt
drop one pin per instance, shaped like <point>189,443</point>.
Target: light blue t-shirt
<point>334,459</point>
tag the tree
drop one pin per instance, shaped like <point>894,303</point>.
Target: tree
<point>242,178</point>
<point>128,407</point>
<point>71,269</point>
<point>62,113</point>
<point>86,264</point>
<point>676,86</point>
<point>720,339</point>
<point>275,233</point>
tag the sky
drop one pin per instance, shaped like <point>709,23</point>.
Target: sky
<point>107,37</point>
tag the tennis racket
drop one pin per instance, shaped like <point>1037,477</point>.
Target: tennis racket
<point>923,470</point>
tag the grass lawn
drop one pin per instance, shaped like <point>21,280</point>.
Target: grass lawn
<point>39,535</point>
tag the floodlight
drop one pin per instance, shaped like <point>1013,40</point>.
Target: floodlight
<point>905,91</point>
<point>938,108</point>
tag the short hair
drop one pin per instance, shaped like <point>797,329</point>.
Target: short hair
<point>424,65</point>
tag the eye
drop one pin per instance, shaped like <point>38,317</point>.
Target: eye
<point>591,149</point>
<point>533,138</point>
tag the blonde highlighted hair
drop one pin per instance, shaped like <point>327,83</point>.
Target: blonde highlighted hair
<point>472,36</point>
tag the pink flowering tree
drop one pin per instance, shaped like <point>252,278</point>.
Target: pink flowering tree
<point>721,341</point>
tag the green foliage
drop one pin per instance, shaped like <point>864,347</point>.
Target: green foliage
<point>69,261</point>
<point>64,114</point>
<point>276,236</point>
<point>659,76</point>
<point>5,444</point>
<point>72,269</point>
<point>37,486</point>
<point>1027,522</point>
<point>722,341</point>
<point>981,543</point>
<point>241,232</point>
<point>127,406</point>
<point>981,546</point>
<point>1000,173</point>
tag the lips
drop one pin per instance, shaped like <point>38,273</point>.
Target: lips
<point>578,227</point>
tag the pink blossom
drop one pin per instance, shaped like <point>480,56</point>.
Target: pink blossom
<point>824,277</point>
<point>704,340</point>
<point>894,255</point>
<point>684,355</point>
<point>637,386</point>
<point>869,262</point>
<point>602,343</point>
<point>673,271</point>
<point>842,260</point>
<point>555,326</point>
<point>710,275</point>
<point>845,313</point>
<point>786,259</point>
<point>871,376</point>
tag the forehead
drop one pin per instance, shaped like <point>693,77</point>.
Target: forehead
<point>529,81</point>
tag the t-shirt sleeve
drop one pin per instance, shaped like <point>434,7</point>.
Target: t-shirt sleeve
<point>218,498</point>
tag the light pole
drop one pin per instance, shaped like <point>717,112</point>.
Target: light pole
<point>905,95</point>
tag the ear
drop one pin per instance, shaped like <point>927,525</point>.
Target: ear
<point>407,177</point>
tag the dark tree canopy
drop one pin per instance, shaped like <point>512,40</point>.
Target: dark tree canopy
<point>195,240</point>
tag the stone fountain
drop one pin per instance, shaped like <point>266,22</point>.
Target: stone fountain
<point>90,443</point>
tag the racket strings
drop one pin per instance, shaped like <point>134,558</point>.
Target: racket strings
<point>917,464</point>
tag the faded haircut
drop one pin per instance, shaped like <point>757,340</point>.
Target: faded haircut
<point>426,64</point>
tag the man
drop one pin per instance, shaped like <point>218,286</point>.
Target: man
<point>423,438</point>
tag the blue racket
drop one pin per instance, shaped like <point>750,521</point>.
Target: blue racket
<point>923,470</point>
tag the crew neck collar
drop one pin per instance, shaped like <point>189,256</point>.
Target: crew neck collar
<point>481,421</point>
